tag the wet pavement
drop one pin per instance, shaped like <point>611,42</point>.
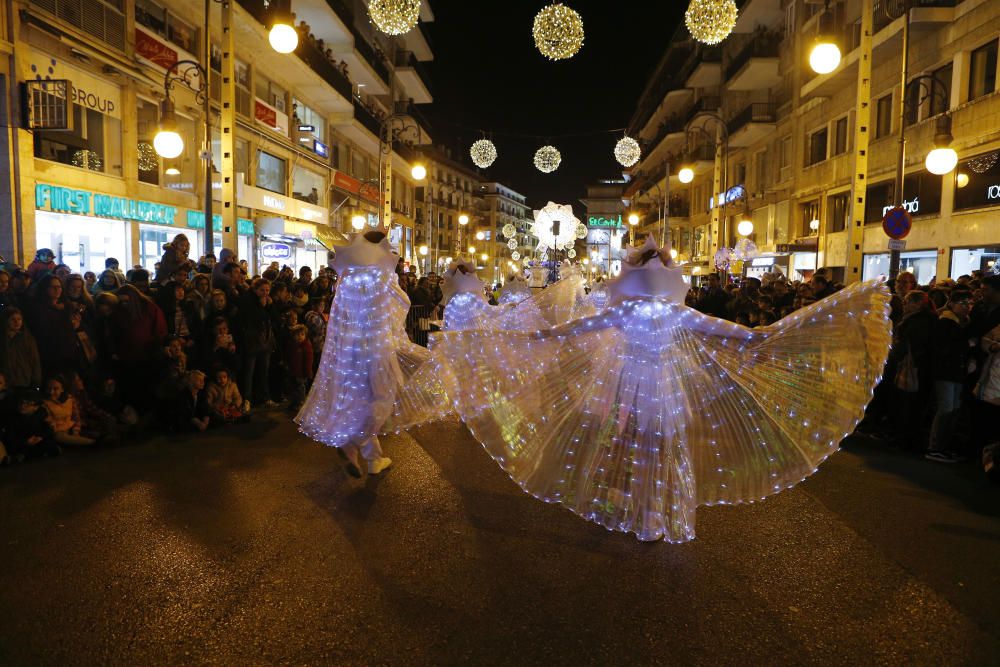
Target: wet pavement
<point>251,546</point>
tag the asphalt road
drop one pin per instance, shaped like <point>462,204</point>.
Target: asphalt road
<point>251,546</point>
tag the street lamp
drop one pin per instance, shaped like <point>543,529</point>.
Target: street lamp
<point>480,236</point>
<point>282,34</point>
<point>633,219</point>
<point>358,222</point>
<point>472,250</point>
<point>419,172</point>
<point>168,142</point>
<point>745,228</point>
<point>463,219</point>
<point>685,175</point>
<point>943,158</point>
<point>825,55</point>
<point>814,225</point>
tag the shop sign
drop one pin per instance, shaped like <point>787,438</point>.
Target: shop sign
<point>610,223</point>
<point>196,220</point>
<point>321,149</point>
<point>993,192</point>
<point>82,202</point>
<point>354,186</point>
<point>795,247</point>
<point>265,113</point>
<point>912,207</point>
<point>275,250</point>
<point>265,200</point>
<point>88,91</point>
<point>762,261</point>
<point>732,194</point>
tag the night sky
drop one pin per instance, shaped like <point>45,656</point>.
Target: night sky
<point>487,74</point>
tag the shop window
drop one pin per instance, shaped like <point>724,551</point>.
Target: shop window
<point>817,147</point>
<point>966,260</point>
<point>148,162</point>
<point>877,196</point>
<point>94,143</point>
<point>983,70</point>
<point>921,263</point>
<point>181,173</point>
<point>243,96</point>
<point>838,209</point>
<point>308,186</point>
<point>810,212</point>
<point>883,116</point>
<point>270,172</point>
<point>359,166</point>
<point>81,242</point>
<point>241,156</point>
<point>270,92</point>
<point>941,99</point>
<point>167,25</point>
<point>977,182</point>
<point>840,136</point>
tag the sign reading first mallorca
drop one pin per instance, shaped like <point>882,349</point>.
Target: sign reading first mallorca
<point>83,202</point>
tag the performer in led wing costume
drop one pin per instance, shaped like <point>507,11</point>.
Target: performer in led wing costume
<point>515,290</point>
<point>657,408</point>
<point>566,299</point>
<point>464,299</point>
<point>367,357</point>
<point>599,295</point>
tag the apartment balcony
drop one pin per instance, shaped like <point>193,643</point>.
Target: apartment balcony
<point>708,104</point>
<point>755,13</point>
<point>704,68</point>
<point>756,66</point>
<point>367,119</point>
<point>308,52</point>
<point>414,77</point>
<point>672,104</point>
<point>752,124</point>
<point>419,42</point>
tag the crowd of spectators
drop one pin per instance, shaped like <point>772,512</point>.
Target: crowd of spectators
<point>85,359</point>
<point>940,391</point>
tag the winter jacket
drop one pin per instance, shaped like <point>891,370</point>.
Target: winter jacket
<point>988,387</point>
<point>171,262</point>
<point>58,348</point>
<point>299,358</point>
<point>950,359</point>
<point>19,360</point>
<point>138,340</point>
<point>219,279</point>
<point>63,416</point>
<point>254,326</point>
<point>219,398</point>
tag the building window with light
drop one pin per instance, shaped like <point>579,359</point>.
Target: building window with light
<point>883,116</point>
<point>817,147</point>
<point>93,142</point>
<point>977,182</point>
<point>270,172</point>
<point>840,136</point>
<point>148,162</point>
<point>309,117</point>
<point>838,209</point>
<point>810,212</point>
<point>166,24</point>
<point>983,70</point>
<point>308,186</point>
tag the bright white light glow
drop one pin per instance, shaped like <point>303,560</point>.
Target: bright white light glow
<point>168,143</point>
<point>419,172</point>
<point>463,219</point>
<point>358,222</point>
<point>423,250</point>
<point>962,180</point>
<point>744,228</point>
<point>480,236</point>
<point>824,57</point>
<point>685,175</point>
<point>633,220</point>
<point>941,161</point>
<point>814,225</point>
<point>283,38</point>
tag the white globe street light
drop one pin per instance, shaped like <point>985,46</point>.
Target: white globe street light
<point>480,236</point>
<point>358,222</point>
<point>283,38</point>
<point>633,220</point>
<point>824,57</point>
<point>419,172</point>
<point>814,225</point>
<point>685,175</point>
<point>744,228</point>
<point>423,250</point>
<point>941,161</point>
<point>168,142</point>
<point>463,219</point>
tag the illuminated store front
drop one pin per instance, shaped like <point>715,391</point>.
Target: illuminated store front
<point>921,263</point>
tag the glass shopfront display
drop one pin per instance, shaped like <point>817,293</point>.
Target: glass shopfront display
<point>82,242</point>
<point>966,260</point>
<point>921,263</point>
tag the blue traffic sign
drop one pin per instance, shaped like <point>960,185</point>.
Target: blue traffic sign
<point>897,222</point>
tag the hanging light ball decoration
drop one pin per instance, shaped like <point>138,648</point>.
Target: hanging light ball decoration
<point>581,231</point>
<point>710,21</point>
<point>571,253</point>
<point>509,230</point>
<point>148,160</point>
<point>394,17</point>
<point>547,159</point>
<point>627,151</point>
<point>512,244</point>
<point>87,159</point>
<point>515,255</point>
<point>483,153</point>
<point>558,32</point>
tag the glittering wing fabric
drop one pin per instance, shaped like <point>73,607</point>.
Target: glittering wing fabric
<point>563,301</point>
<point>633,417</point>
<point>366,359</point>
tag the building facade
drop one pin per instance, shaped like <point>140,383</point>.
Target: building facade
<point>306,146</point>
<point>782,152</point>
<point>448,194</point>
<point>503,206</point>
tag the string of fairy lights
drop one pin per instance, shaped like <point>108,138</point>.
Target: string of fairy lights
<point>558,34</point>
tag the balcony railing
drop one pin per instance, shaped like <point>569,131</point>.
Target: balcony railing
<point>407,59</point>
<point>758,112</point>
<point>887,11</point>
<point>761,46</point>
<point>372,57</point>
<point>668,126</point>
<point>366,117</point>
<point>708,103</point>
<point>703,54</point>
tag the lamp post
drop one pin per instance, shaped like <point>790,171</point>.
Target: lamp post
<point>389,131</point>
<point>720,175</point>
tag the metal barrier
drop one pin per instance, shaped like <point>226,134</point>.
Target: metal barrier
<point>418,323</point>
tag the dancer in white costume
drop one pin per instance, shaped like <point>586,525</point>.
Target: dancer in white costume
<point>464,299</point>
<point>599,295</point>
<point>515,290</point>
<point>367,357</point>
<point>565,299</point>
<point>657,408</point>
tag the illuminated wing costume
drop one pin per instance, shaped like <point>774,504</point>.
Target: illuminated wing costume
<point>515,290</point>
<point>464,299</point>
<point>634,417</point>
<point>367,356</point>
<point>599,295</point>
<point>566,299</point>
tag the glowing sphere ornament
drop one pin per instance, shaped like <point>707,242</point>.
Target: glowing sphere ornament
<point>627,151</point>
<point>547,159</point>
<point>558,32</point>
<point>515,255</point>
<point>394,17</point>
<point>512,244</point>
<point>508,230</point>
<point>483,153</point>
<point>581,231</point>
<point>571,253</point>
<point>710,21</point>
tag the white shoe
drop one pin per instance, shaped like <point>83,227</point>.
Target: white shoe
<point>378,465</point>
